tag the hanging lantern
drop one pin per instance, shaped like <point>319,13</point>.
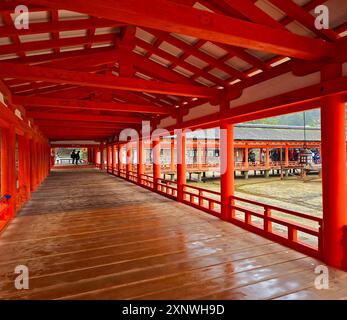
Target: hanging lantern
<point>305,156</point>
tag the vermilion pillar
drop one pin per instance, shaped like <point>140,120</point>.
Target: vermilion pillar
<point>120,164</point>
<point>95,155</point>
<point>172,154</point>
<point>246,156</point>
<point>181,164</point>
<point>199,155</point>
<point>205,151</point>
<point>33,165</point>
<point>140,161</point>
<point>22,159</point>
<point>267,158</point>
<point>333,115</point>
<point>108,157</point>
<point>129,159</point>
<point>286,156</point>
<point>88,155</point>
<point>26,159</point>
<point>156,161</point>
<point>113,158</point>
<point>227,168</point>
<point>102,160</point>
<point>8,167</point>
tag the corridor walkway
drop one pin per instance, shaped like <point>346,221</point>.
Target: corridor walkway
<point>89,235</point>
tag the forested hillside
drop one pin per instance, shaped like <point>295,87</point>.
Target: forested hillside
<point>295,119</point>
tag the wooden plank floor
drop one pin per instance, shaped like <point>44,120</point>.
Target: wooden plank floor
<point>88,235</point>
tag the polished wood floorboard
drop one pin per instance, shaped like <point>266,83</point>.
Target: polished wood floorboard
<point>88,235</point>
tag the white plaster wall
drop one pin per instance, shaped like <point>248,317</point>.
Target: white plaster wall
<point>276,86</point>
<point>166,122</point>
<point>200,111</point>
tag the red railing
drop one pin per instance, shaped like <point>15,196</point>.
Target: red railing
<point>122,173</point>
<point>167,188</point>
<point>147,181</point>
<point>206,200</point>
<point>132,176</point>
<point>299,231</point>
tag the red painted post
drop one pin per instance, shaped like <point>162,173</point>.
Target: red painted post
<point>8,167</point>
<point>206,151</point>
<point>108,158</point>
<point>140,161</point>
<point>333,123</point>
<point>246,157</point>
<point>113,158</point>
<point>32,165</point>
<point>22,169</point>
<point>129,159</point>
<point>120,165</point>
<point>181,165</point>
<point>226,168</point>
<point>89,155</point>
<point>95,155</point>
<point>26,158</point>
<point>172,154</point>
<point>286,156</point>
<point>102,160</point>
<point>267,158</point>
<point>156,162</point>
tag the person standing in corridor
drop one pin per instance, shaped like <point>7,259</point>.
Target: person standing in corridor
<point>73,156</point>
<point>78,157</point>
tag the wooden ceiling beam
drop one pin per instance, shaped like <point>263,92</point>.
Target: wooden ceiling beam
<point>306,19</point>
<point>35,101</point>
<point>51,75</point>
<point>172,17</point>
<point>83,117</point>
<point>58,26</point>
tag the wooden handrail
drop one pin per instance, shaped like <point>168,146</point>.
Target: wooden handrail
<point>272,207</point>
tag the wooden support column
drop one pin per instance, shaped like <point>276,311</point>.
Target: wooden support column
<point>113,158</point>
<point>108,158</point>
<point>172,154</point>
<point>286,156</point>
<point>333,123</point>
<point>156,161</point>
<point>246,165</point>
<point>140,160</point>
<point>32,165</point>
<point>205,151</point>
<point>22,162</point>
<point>8,167</point>
<point>120,164</point>
<point>199,155</point>
<point>102,160</point>
<point>267,158</point>
<point>129,159</point>
<point>26,159</point>
<point>227,168</point>
<point>181,164</point>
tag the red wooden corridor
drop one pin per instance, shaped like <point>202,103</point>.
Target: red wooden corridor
<point>101,242</point>
<point>121,78</point>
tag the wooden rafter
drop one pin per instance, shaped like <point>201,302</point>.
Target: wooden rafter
<point>172,17</point>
